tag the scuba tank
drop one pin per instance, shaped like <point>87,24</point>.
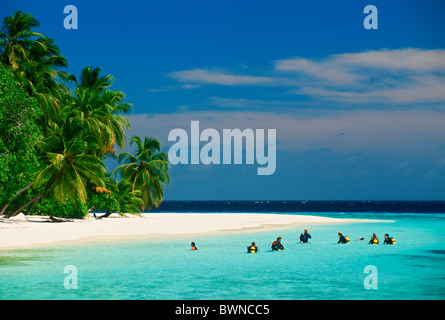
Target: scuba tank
<point>252,249</point>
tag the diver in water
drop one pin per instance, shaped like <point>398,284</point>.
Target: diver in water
<point>305,236</point>
<point>252,248</point>
<point>193,246</point>
<point>389,240</point>
<point>342,238</point>
<point>277,245</point>
<point>374,239</point>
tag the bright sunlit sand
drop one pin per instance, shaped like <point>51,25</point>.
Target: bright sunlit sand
<point>21,231</point>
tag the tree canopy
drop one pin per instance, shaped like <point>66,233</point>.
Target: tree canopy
<point>56,130</point>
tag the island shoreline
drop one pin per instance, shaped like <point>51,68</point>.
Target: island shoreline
<point>34,232</point>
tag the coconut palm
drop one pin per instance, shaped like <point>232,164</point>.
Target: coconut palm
<point>121,197</point>
<point>70,164</point>
<point>100,108</point>
<point>16,39</point>
<point>35,60</point>
<point>147,170</point>
<point>129,200</point>
<point>39,81</point>
<point>80,126</point>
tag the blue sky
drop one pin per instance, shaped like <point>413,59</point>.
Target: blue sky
<point>359,114</point>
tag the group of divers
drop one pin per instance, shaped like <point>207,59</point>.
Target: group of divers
<point>305,236</point>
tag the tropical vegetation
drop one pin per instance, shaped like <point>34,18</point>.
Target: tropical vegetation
<point>57,130</point>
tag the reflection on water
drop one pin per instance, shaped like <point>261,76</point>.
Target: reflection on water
<point>21,257</point>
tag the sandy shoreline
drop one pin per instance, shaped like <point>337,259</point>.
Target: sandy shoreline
<point>38,231</point>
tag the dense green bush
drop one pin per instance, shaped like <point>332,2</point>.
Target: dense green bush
<point>19,134</point>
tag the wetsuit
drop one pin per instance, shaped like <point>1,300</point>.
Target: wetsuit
<point>277,246</point>
<point>374,240</point>
<point>304,237</point>
<point>388,241</point>
<point>342,239</point>
<point>252,249</point>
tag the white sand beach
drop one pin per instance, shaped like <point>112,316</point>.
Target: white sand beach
<point>32,231</point>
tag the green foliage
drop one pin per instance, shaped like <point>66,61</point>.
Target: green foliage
<point>19,134</point>
<point>70,165</point>
<point>54,208</point>
<point>117,197</point>
<point>16,38</point>
<point>147,170</point>
<point>100,109</point>
<point>53,140</point>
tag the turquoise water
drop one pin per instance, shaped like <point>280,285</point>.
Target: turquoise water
<point>221,269</point>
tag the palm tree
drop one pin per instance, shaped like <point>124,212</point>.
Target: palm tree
<point>16,39</point>
<point>147,170</point>
<point>100,108</point>
<point>129,200</point>
<point>39,81</point>
<point>70,164</point>
<point>79,126</point>
<point>34,59</point>
<point>121,197</point>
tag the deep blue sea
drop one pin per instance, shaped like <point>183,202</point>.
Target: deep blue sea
<point>414,268</point>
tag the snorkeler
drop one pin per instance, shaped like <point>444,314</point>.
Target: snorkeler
<point>374,239</point>
<point>252,248</point>
<point>277,245</point>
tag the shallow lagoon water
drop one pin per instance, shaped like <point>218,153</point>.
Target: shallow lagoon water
<point>221,268</point>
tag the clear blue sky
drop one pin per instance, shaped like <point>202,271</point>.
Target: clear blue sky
<point>359,114</point>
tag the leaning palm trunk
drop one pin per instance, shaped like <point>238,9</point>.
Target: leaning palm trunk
<point>33,201</point>
<point>15,196</point>
<point>107,214</point>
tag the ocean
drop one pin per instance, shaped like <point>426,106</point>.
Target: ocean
<point>222,269</point>
<point>304,206</point>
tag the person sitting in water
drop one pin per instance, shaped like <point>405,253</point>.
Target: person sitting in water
<point>342,238</point>
<point>194,246</point>
<point>389,240</point>
<point>305,236</point>
<point>374,239</point>
<point>277,245</point>
<point>252,248</point>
